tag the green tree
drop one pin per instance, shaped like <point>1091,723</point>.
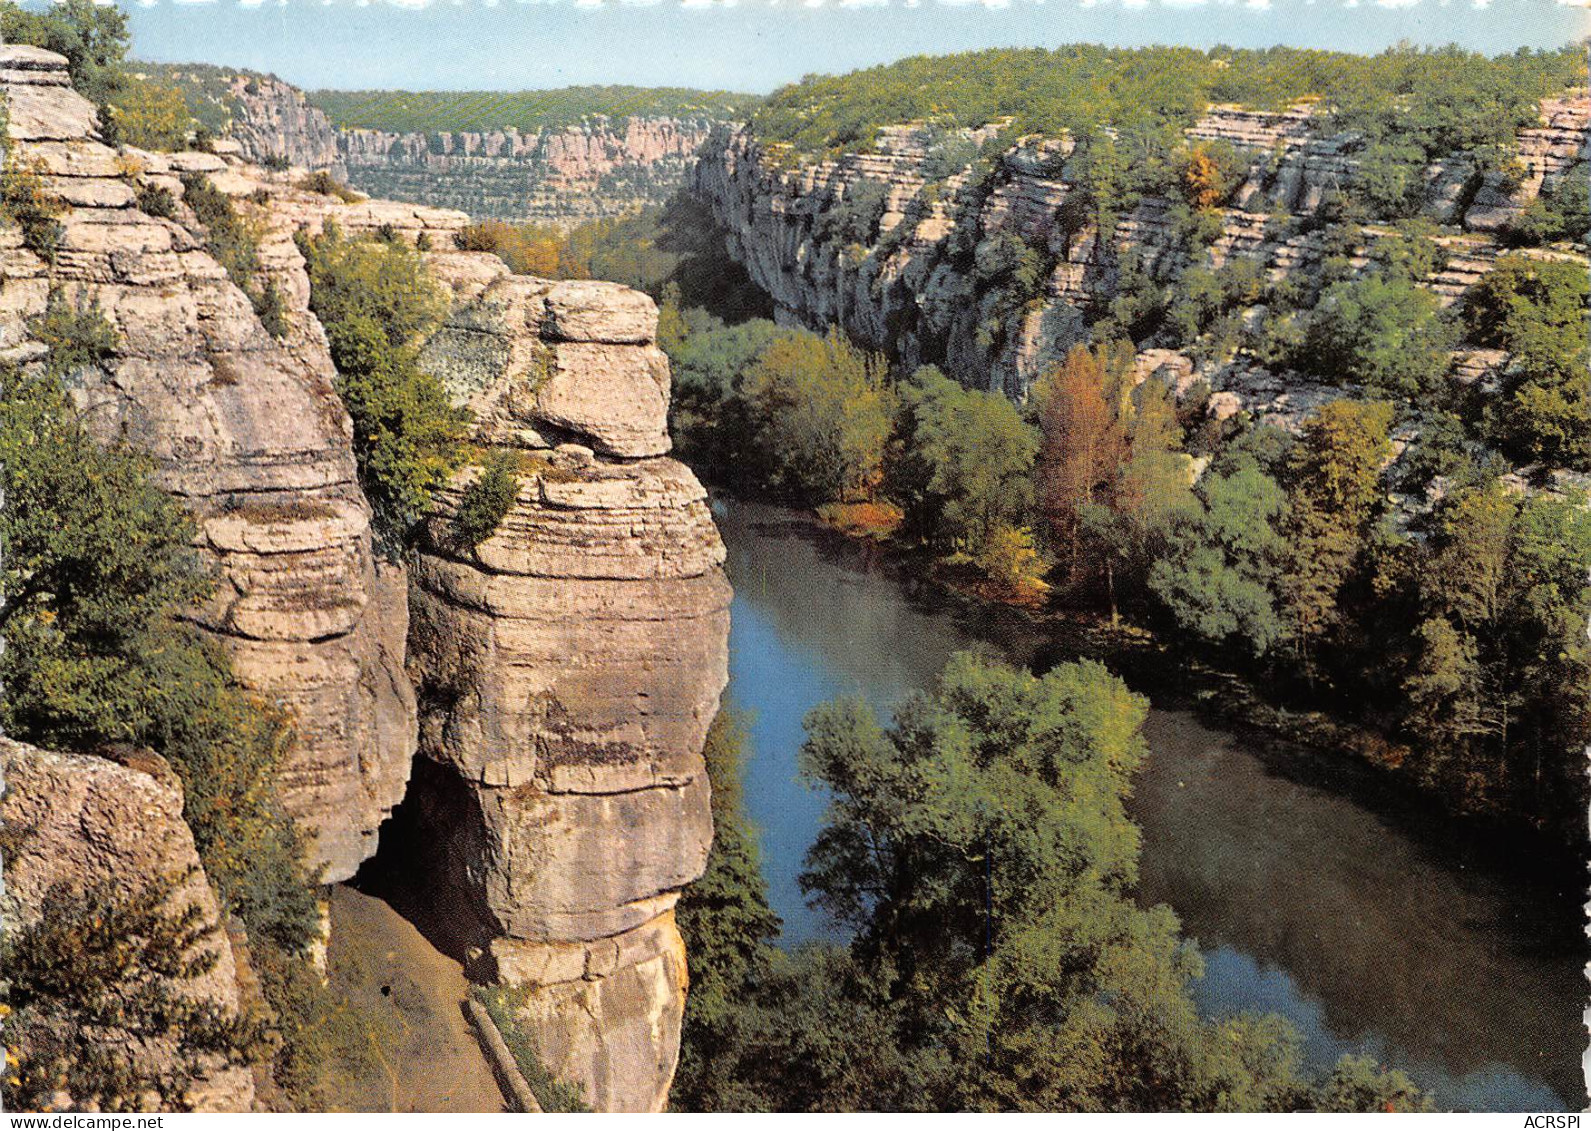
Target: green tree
<point>728,928</point>
<point>1333,498</point>
<point>376,302</point>
<point>1385,334</point>
<point>1219,575</point>
<point>963,462</point>
<point>1536,309</point>
<point>1495,690</point>
<point>823,413</point>
<point>93,37</point>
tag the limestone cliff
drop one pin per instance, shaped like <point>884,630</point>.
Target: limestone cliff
<point>89,822</point>
<point>602,167</point>
<point>274,121</point>
<point>567,668</point>
<point>911,287</point>
<point>247,430</point>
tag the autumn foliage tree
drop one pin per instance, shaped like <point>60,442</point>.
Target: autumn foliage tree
<point>1334,495</point>
<point>1082,441</point>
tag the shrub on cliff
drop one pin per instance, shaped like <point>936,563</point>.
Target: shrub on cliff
<point>147,115</point>
<point>1535,310</point>
<point>98,1006</point>
<point>376,302</point>
<point>153,200</point>
<point>324,184</point>
<point>99,564</point>
<point>487,500</point>
<point>25,202</point>
<point>233,240</point>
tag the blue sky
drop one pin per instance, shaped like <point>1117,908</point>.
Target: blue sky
<point>756,45</point>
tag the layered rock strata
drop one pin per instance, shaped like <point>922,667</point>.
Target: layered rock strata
<point>568,668</point>
<point>912,288</point>
<point>246,429</point>
<point>601,167</point>
<point>91,824</point>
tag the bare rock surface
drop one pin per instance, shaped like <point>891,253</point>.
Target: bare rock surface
<point>86,822</point>
<point>567,669</point>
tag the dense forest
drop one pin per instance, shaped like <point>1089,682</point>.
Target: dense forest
<point>528,111</point>
<point>1441,100</point>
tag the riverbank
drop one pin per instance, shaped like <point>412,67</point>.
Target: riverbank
<point>1307,894</point>
<point>1309,743</point>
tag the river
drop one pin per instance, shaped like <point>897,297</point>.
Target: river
<point>1462,970</point>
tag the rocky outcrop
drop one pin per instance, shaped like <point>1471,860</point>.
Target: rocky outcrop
<point>273,122</point>
<point>568,668</point>
<point>931,285</point>
<point>246,429</point>
<point>90,823</point>
<point>602,167</point>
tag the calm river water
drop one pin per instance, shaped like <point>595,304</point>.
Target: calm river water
<point>1304,902</point>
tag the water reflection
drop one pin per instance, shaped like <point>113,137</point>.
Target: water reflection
<point>1304,902</point>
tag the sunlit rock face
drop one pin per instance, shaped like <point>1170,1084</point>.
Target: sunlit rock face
<point>245,428</point>
<point>568,668</point>
<point>601,167</point>
<point>84,823</point>
<point>910,292</point>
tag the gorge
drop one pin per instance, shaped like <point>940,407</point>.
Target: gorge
<point>497,730</point>
<point>531,702</point>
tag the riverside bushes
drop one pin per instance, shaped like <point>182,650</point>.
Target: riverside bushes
<point>1054,994</point>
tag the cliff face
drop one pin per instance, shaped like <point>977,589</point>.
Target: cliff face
<point>605,167</point>
<point>907,292</point>
<point>274,120</point>
<point>88,822</point>
<point>248,431</point>
<point>567,668</point>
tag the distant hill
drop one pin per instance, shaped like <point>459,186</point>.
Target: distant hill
<point>528,111</point>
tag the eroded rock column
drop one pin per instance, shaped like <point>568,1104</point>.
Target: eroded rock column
<point>568,668</point>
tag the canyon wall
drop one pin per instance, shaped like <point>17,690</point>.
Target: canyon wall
<point>567,668</point>
<point>912,288</point>
<point>603,167</point>
<point>247,430</point>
